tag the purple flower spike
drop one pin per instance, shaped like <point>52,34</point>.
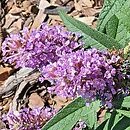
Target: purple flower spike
<point>27,119</point>
<point>90,74</point>
<point>40,47</point>
<point>57,54</point>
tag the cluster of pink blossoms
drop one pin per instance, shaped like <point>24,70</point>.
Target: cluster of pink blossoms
<point>28,119</point>
<point>40,47</point>
<point>59,56</point>
<point>90,74</point>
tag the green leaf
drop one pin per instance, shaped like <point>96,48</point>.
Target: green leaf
<point>123,35</point>
<point>122,124</point>
<point>111,7</point>
<point>112,25</point>
<point>91,37</point>
<point>91,118</point>
<point>108,21</point>
<point>126,102</point>
<point>123,31</point>
<point>117,30</point>
<point>124,15</point>
<point>102,125</point>
<point>110,121</point>
<point>113,120</point>
<point>124,112</point>
<point>68,116</point>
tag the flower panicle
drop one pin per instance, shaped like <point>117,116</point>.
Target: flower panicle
<point>91,74</point>
<point>39,47</point>
<point>28,119</point>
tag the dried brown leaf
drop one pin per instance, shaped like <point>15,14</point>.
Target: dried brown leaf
<point>10,19</point>
<point>9,5</point>
<point>2,125</point>
<point>55,17</point>
<point>7,105</point>
<point>26,4</point>
<point>35,101</point>
<point>88,3</point>
<point>60,102</point>
<point>77,5</point>
<point>38,20</point>
<point>4,73</point>
<point>88,11</point>
<point>43,4</point>
<point>15,10</point>
<point>86,20</point>
<point>18,24</point>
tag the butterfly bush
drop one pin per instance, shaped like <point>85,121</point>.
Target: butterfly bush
<point>39,47</point>
<point>91,74</point>
<point>28,119</point>
<point>58,55</point>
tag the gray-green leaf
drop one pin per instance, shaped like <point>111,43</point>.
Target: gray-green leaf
<point>111,7</point>
<point>91,118</point>
<point>67,117</point>
<point>102,125</point>
<point>112,26</point>
<point>122,124</point>
<point>114,118</point>
<point>123,35</point>
<point>91,37</point>
<point>126,102</point>
<point>124,112</point>
<point>124,15</point>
